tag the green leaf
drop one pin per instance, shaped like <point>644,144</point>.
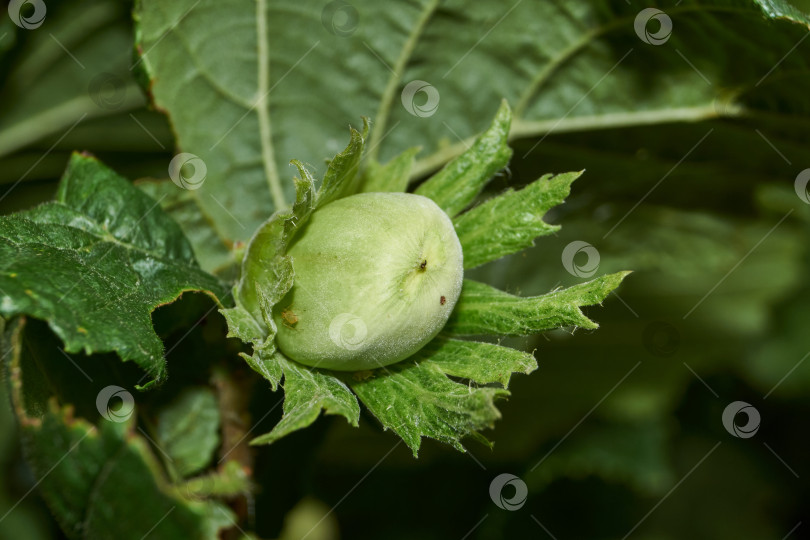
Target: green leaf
<point>229,481</point>
<point>212,96</point>
<point>680,255</point>
<point>480,362</point>
<point>266,271</point>
<point>342,176</point>
<point>510,222</point>
<point>95,263</point>
<point>7,29</point>
<point>307,392</point>
<point>264,362</point>
<point>243,325</point>
<point>416,399</point>
<point>394,176</point>
<point>455,187</point>
<point>214,254</point>
<point>188,430</point>
<point>482,309</point>
<point>87,473</point>
<point>218,103</point>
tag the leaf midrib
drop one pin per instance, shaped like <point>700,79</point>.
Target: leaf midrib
<point>384,110</point>
<point>108,238</point>
<point>263,107</point>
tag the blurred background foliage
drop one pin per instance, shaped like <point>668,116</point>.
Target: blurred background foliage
<point>619,420</point>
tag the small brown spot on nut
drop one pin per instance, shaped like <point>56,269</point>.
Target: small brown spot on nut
<point>442,300</point>
<point>289,318</point>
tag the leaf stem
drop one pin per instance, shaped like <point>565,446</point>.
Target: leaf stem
<point>384,110</point>
<point>534,128</point>
<point>167,462</point>
<point>263,107</point>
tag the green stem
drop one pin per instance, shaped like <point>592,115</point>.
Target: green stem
<point>393,81</point>
<point>263,107</point>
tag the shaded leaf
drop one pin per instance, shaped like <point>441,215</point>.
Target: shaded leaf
<point>218,102</point>
<point>778,364</point>
<point>229,481</point>
<point>298,523</point>
<point>188,430</point>
<point>634,454</point>
<point>48,91</point>
<point>87,473</point>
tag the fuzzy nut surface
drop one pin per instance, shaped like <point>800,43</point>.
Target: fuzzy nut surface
<point>376,277</point>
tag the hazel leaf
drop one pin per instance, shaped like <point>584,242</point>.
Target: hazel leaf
<point>242,325</point>
<point>265,267</point>
<point>96,262</point>
<point>416,399</point>
<point>228,481</point>
<point>188,430</point>
<point>214,255</point>
<point>479,362</point>
<point>484,310</point>
<point>391,177</point>
<point>85,472</point>
<point>264,362</point>
<point>307,392</point>
<point>294,84</point>
<point>457,185</point>
<point>511,221</point>
<point>342,176</point>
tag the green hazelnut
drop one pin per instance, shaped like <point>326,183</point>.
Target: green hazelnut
<point>376,277</point>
